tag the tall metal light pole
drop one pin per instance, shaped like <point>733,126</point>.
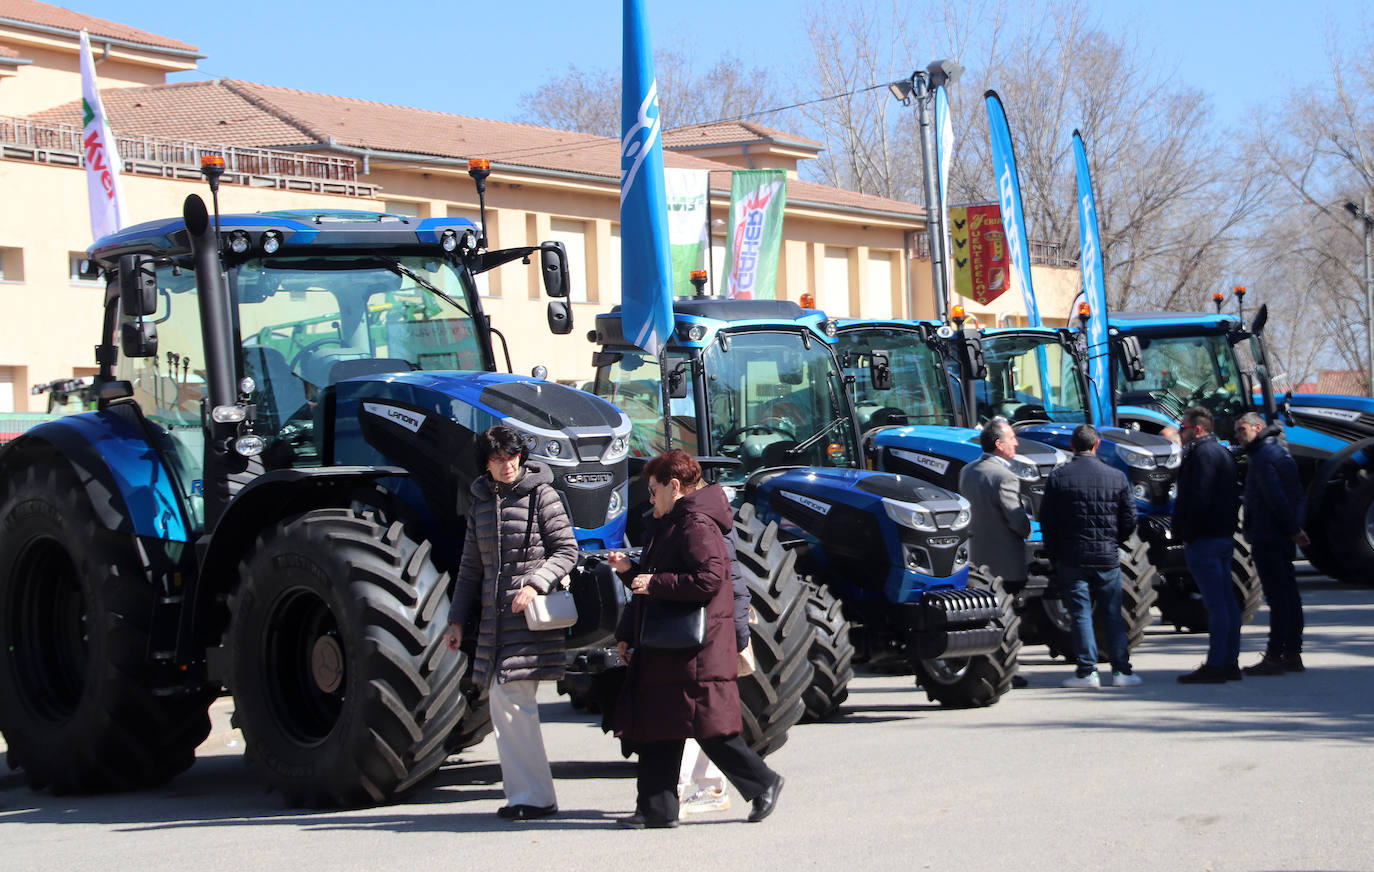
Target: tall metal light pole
<point>1361,213</point>
<point>920,88</point>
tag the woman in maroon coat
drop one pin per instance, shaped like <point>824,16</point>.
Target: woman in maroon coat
<point>672,696</point>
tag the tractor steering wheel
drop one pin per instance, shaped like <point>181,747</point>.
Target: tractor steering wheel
<point>763,429</point>
<point>307,349</point>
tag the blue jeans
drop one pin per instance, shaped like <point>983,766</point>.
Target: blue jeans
<point>1274,560</point>
<point>1209,560</point>
<point>1083,586</point>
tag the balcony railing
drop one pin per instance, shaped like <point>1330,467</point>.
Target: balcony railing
<point>24,139</point>
<point>1041,253</point>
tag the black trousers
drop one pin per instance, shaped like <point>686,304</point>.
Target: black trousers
<point>659,763</point>
<point>1274,560</point>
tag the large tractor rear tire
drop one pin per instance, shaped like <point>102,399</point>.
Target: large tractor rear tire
<point>1352,525</point>
<point>342,685</point>
<point>970,682</point>
<point>1050,621</point>
<point>1185,608</point>
<point>831,654</point>
<point>77,701</point>
<point>771,698</point>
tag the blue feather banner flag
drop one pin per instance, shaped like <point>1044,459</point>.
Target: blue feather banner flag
<point>646,263</point>
<point>1094,288</point>
<point>1009,196</point>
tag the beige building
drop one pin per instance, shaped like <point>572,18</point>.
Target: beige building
<point>286,149</point>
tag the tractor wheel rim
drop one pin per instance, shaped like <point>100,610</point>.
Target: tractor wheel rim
<point>305,666</point>
<point>947,670</point>
<point>48,626</point>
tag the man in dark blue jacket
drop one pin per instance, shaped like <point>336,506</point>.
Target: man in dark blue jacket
<point>1086,514</point>
<point>1273,525</point>
<point>1205,519</point>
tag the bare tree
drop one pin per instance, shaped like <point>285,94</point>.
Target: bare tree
<point>588,101</point>
<point>1308,249</point>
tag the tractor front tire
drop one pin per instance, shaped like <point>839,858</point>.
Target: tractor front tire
<point>343,688</point>
<point>771,699</point>
<point>1353,540</point>
<point>77,690</point>
<point>831,654</point>
<point>971,682</point>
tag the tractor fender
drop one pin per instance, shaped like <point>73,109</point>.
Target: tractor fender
<point>268,497</point>
<point>1357,455</point>
<point>130,487</point>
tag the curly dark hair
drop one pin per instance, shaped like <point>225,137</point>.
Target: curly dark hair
<point>500,440</point>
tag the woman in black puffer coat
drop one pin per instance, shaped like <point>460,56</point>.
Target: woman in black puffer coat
<point>519,543</point>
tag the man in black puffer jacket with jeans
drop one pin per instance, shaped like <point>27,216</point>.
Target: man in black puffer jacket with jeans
<point>1086,514</point>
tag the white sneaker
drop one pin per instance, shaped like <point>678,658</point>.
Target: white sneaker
<point>1123,679</point>
<point>703,801</point>
<point>1089,680</point>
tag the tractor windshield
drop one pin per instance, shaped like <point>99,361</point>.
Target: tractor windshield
<point>920,388</point>
<point>776,400</point>
<point>308,322</point>
<point>1030,378</point>
<point>1181,371</point>
<point>631,382</point>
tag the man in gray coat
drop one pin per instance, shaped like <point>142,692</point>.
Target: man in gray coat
<point>997,535</point>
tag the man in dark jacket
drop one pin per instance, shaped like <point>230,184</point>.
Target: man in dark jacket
<point>1273,525</point>
<point>1205,519</point>
<point>1086,514</point>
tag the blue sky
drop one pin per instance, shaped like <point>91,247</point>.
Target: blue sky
<point>478,58</point>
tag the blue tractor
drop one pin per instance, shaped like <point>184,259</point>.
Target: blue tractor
<point>921,389</point>
<point>843,563</point>
<point>269,502</point>
<point>1213,360</point>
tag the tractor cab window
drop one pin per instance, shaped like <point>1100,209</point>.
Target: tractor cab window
<point>169,386</point>
<point>920,391</point>
<point>1181,371</point>
<point>776,402</point>
<point>1030,378</point>
<point>308,322</point>
<point>632,384</point>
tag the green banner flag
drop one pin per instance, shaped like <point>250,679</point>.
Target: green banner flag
<point>687,193</point>
<point>757,198</point>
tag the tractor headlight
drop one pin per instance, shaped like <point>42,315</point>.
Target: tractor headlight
<point>231,414</point>
<point>830,328</point>
<point>250,445</point>
<point>1138,491</point>
<point>1173,492</point>
<point>961,557</point>
<point>1061,458</point>
<point>553,448</point>
<point>965,515</point>
<point>1175,458</point>
<point>616,508</point>
<point>1135,457</point>
<point>448,241</point>
<point>616,451</point>
<point>910,515</point>
<point>1024,468</point>
<point>271,241</point>
<point>238,242</point>
<point>696,333</point>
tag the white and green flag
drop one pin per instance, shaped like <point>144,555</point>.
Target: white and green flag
<point>687,191</point>
<point>757,198</point>
<point>102,156</point>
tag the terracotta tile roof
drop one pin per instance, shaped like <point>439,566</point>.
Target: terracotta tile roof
<point>731,132</point>
<point>33,12</point>
<point>1349,382</point>
<point>247,114</point>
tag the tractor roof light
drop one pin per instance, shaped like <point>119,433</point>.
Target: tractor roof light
<point>696,333</point>
<point>271,241</point>
<point>479,164</point>
<point>229,414</point>
<point>1084,311</point>
<point>830,327</point>
<point>1239,291</point>
<point>449,240</point>
<point>239,242</point>
<point>807,301</point>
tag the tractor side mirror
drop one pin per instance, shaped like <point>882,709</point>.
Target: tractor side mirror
<point>972,350</point>
<point>880,370</point>
<point>553,266</point>
<point>560,317</point>
<point>138,338</point>
<point>137,285</point>
<point>677,382</point>
<point>1257,326</point>
<point>1131,360</point>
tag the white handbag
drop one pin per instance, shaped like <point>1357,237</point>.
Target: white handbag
<point>554,610</point>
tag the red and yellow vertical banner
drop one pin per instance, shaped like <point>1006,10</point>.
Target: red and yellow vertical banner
<point>978,255</point>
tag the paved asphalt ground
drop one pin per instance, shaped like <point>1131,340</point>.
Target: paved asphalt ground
<point>1268,773</point>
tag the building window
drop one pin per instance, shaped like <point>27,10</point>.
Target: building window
<point>881,279</point>
<point>75,261</point>
<point>11,264</point>
<point>573,235</point>
<point>402,207</point>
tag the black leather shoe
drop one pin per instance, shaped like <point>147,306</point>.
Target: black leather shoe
<point>526,812</point>
<point>1233,672</point>
<point>640,822</point>
<point>765,802</point>
<point>1266,666</point>
<point>1292,663</point>
<point>1204,674</point>
<point>1019,681</point>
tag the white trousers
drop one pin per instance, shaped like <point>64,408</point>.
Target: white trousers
<point>525,774</point>
<point>698,771</point>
